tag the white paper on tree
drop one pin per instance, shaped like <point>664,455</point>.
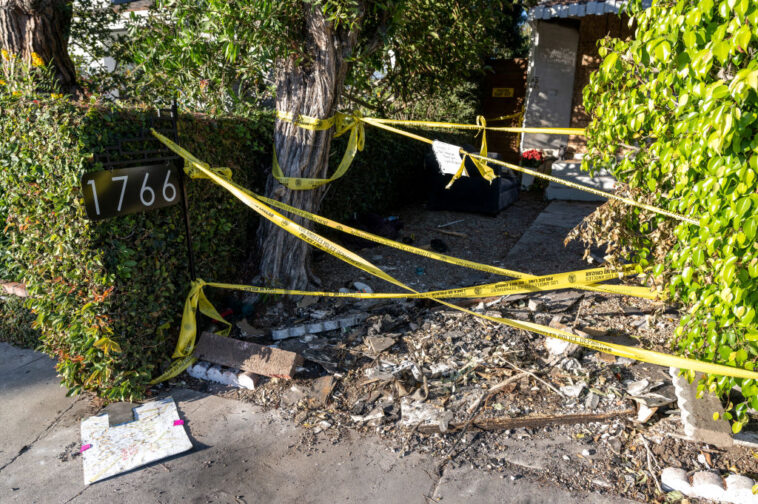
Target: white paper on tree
<point>448,157</point>
<point>156,433</point>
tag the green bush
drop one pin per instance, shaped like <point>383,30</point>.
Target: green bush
<point>675,118</point>
<point>106,296</point>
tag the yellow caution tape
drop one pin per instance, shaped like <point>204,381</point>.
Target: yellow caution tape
<point>581,279</point>
<point>353,123</point>
<point>196,299</point>
<point>627,290</point>
<point>452,125</point>
<point>568,280</point>
<point>382,124</point>
<point>343,123</point>
<point>306,122</point>
<point>484,170</point>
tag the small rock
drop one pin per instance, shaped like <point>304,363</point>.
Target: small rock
<point>592,401</point>
<point>573,390</point>
<point>645,413</point>
<point>362,287</point>
<point>535,305</point>
<point>376,415</point>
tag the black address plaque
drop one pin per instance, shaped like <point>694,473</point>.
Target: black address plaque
<point>111,193</point>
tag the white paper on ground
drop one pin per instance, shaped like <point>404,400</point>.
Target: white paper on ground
<point>152,436</point>
<point>448,157</point>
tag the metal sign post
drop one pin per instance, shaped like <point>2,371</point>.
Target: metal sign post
<point>140,174</point>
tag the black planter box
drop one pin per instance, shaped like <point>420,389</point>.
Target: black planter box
<point>472,193</point>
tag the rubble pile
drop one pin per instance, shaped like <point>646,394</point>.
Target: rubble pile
<point>432,380</point>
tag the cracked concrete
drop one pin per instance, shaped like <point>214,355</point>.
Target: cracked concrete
<point>242,455</point>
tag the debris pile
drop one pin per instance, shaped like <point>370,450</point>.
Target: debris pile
<point>433,380</point>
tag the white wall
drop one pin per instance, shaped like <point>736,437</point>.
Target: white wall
<point>550,84</point>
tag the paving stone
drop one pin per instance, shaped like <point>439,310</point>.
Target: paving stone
<point>739,489</point>
<point>708,485</point>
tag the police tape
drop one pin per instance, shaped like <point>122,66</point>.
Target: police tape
<point>197,301</point>
<point>580,279</point>
<point>385,125</point>
<point>354,123</point>
<point>480,161</point>
<point>576,278</point>
<point>342,124</point>
<point>533,285</point>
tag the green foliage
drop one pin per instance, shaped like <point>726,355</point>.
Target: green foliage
<point>386,174</point>
<point>91,37</point>
<point>106,296</point>
<point>223,56</point>
<point>675,118</point>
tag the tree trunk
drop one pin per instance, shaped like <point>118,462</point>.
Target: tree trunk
<point>41,27</point>
<point>311,89</point>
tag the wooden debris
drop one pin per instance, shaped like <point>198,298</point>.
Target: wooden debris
<point>13,289</point>
<point>503,423</point>
<point>451,233</point>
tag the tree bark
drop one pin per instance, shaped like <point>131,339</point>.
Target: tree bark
<point>41,27</point>
<point>311,88</point>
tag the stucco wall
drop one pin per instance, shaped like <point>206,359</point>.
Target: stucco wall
<point>591,30</point>
<point>552,64</point>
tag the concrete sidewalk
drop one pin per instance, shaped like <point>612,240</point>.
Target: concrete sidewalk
<point>541,251</point>
<point>242,455</point>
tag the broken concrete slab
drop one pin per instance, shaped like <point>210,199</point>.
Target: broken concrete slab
<point>735,489</point>
<point>318,327</point>
<point>246,356</point>
<point>378,344</point>
<point>204,370</point>
<point>697,414</point>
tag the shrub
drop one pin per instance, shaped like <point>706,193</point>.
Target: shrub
<point>106,296</point>
<point>675,118</point>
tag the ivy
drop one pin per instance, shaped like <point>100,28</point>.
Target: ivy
<point>675,118</point>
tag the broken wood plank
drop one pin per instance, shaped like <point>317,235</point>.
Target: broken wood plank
<point>246,356</point>
<point>503,423</point>
<point>450,233</point>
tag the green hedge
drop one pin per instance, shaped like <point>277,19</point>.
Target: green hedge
<point>675,119</point>
<point>106,296</point>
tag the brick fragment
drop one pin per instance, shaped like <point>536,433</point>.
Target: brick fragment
<point>246,356</point>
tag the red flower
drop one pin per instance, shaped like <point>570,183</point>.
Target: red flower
<point>532,155</point>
